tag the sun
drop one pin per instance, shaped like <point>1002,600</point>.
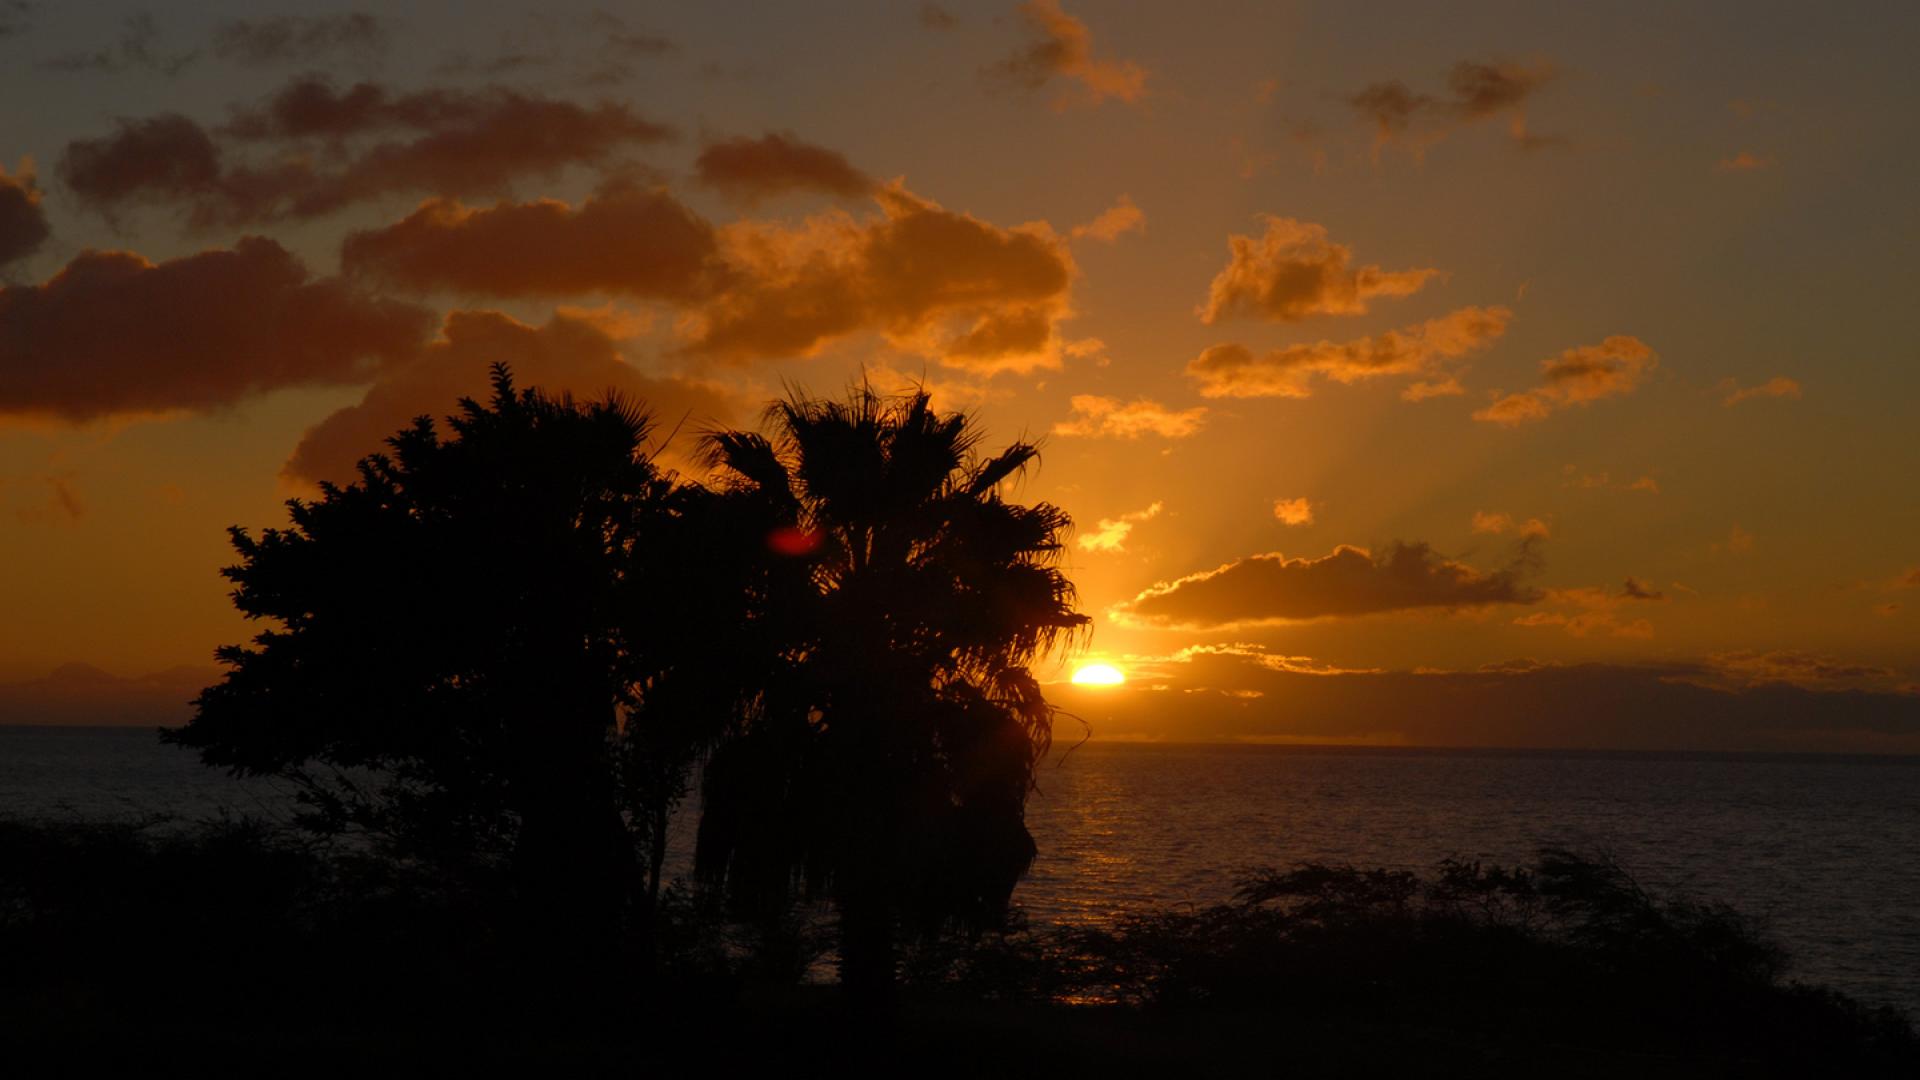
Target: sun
<point>1098,675</point>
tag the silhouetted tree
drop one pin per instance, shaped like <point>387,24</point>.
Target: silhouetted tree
<point>458,647</point>
<point>887,761</point>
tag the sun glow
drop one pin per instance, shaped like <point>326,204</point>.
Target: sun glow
<point>1098,675</point>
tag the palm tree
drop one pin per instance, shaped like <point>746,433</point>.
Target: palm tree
<point>887,762</point>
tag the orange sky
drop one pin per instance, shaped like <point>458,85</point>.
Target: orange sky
<point>1523,374</point>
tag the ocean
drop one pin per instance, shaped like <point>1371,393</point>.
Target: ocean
<point>1823,850</point>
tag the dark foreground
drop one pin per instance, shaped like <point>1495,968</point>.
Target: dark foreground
<point>226,949</point>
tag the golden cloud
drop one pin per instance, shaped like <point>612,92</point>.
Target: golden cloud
<point>945,284</point>
<point>1115,221</point>
<point>1234,371</point>
<point>1293,511</point>
<point>1111,534</point>
<point>1577,376</point>
<point>1584,611</point>
<point>1104,417</point>
<point>1294,272</point>
<point>1777,387</point>
<point>1064,49</point>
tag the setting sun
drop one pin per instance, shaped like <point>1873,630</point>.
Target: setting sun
<point>1098,675</point>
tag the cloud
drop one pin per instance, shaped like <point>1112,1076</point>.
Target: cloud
<point>1738,542</point>
<point>112,333</point>
<point>1104,417</point>
<point>1111,534</point>
<point>1294,272</point>
<point>947,285</point>
<point>134,49</point>
<point>23,221</point>
<point>626,241</point>
<point>752,170</point>
<point>570,353</point>
<point>1635,589</point>
<point>1585,611</point>
<point>1497,522</point>
<point>16,17</point>
<point>935,17</point>
<point>1233,370</point>
<point>1115,221</point>
<point>1351,581</point>
<point>1746,161</point>
<point>1064,49</point>
<point>299,39</point>
<point>1477,92</point>
<point>1241,692</point>
<point>1293,511</point>
<point>1792,667</point>
<point>1777,387</point>
<point>930,280</point>
<point>338,148</point>
<point>1577,376</point>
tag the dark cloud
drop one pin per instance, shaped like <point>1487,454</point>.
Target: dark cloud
<point>1294,272</point>
<point>1635,589</point>
<point>1351,581</point>
<point>23,221</point>
<point>1240,692</point>
<point>1476,92</point>
<point>626,241</point>
<point>1390,106</point>
<point>1062,47</point>
<point>1484,89</point>
<point>778,163</point>
<point>16,17</point>
<point>113,333</point>
<point>299,39</point>
<point>134,49</point>
<point>931,280</point>
<point>336,148</point>
<point>571,353</point>
<point>164,157</point>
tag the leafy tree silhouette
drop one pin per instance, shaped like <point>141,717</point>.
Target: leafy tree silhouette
<point>887,763</point>
<point>459,646</point>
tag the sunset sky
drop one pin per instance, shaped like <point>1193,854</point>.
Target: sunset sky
<point>1538,375</point>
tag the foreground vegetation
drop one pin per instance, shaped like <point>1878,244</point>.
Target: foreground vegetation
<point>233,946</point>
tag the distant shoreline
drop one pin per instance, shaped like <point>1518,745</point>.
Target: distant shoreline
<point>1062,748</point>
